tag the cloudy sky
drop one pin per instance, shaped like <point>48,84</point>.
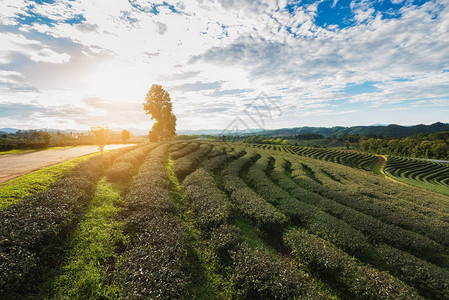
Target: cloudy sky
<point>267,63</point>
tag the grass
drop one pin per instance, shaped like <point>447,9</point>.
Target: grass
<point>377,167</point>
<point>249,233</point>
<point>206,282</point>
<point>88,270</point>
<point>18,188</point>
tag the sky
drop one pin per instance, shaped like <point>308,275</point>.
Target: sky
<point>225,63</point>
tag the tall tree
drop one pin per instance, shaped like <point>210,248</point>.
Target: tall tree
<point>159,106</point>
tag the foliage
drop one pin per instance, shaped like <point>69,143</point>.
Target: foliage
<point>121,171</point>
<point>101,135</point>
<point>433,145</point>
<point>249,203</point>
<point>430,175</point>
<point>184,150</point>
<point>263,140</point>
<point>359,280</point>
<point>158,104</point>
<point>257,275</point>
<point>209,204</point>
<point>188,163</point>
<point>153,264</point>
<point>312,217</point>
<point>125,135</point>
<point>430,279</point>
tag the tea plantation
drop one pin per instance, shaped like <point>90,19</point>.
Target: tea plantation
<point>211,220</point>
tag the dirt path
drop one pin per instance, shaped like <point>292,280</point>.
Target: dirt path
<point>381,161</point>
<point>14,165</point>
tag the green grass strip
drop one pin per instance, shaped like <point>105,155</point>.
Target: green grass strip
<point>206,282</point>
<point>20,187</point>
<point>88,270</point>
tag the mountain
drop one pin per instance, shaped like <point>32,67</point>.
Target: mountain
<point>8,130</point>
<point>391,130</point>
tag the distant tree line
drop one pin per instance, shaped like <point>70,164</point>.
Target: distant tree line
<point>309,136</point>
<point>31,139</point>
<point>433,145</point>
<point>265,140</point>
<point>42,139</point>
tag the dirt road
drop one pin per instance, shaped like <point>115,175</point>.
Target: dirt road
<point>14,165</point>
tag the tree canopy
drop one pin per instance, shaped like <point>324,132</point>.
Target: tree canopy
<point>125,135</point>
<point>159,106</point>
<point>102,135</point>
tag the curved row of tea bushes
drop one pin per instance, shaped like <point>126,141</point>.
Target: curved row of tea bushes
<point>399,196</point>
<point>208,203</point>
<point>423,173</point>
<point>256,274</point>
<point>176,146</point>
<point>187,164</point>
<point>248,202</point>
<point>406,214</point>
<point>428,278</point>
<point>376,230</point>
<point>218,162</point>
<point>31,228</point>
<point>317,221</point>
<point>153,265</point>
<point>253,274</point>
<point>348,158</point>
<point>405,265</point>
<point>125,165</point>
<point>189,148</point>
<point>359,280</point>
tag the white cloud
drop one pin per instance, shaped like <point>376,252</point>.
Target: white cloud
<point>33,49</point>
<point>246,46</point>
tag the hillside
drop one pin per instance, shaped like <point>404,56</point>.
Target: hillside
<point>190,220</point>
<point>389,130</point>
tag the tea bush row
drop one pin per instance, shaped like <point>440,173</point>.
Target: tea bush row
<point>376,230</point>
<point>189,148</point>
<point>248,202</point>
<point>218,162</point>
<point>209,204</point>
<point>30,228</point>
<point>361,281</point>
<point>300,213</point>
<point>125,165</point>
<point>153,265</point>
<point>428,278</point>
<point>407,215</point>
<point>187,164</point>
<point>253,274</point>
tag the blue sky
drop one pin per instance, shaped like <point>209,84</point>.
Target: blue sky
<point>82,63</point>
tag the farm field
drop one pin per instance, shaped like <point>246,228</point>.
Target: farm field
<point>205,220</point>
<point>426,174</point>
<point>430,175</point>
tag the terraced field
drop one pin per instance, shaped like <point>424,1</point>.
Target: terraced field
<point>427,174</point>
<point>191,220</point>
<point>353,159</point>
<point>433,176</point>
